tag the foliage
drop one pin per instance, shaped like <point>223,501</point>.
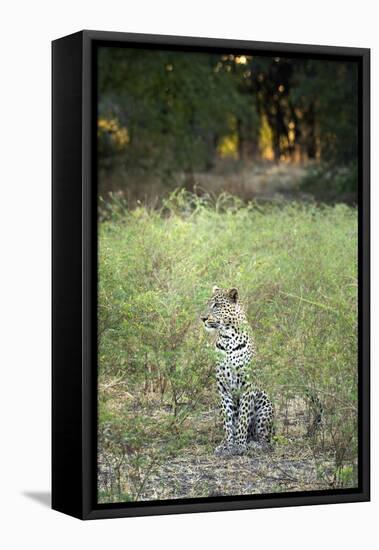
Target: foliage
<point>166,100</point>
<point>296,269</point>
<point>164,112</point>
<point>332,110</point>
<point>332,183</point>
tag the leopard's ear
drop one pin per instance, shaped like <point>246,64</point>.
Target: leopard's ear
<point>233,294</point>
<point>215,289</point>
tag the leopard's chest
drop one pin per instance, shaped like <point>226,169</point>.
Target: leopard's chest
<point>232,373</point>
<point>235,352</point>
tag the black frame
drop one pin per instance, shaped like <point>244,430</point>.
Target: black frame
<point>74,383</point>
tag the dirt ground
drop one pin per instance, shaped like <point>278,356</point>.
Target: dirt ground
<point>293,464</point>
<point>261,180</point>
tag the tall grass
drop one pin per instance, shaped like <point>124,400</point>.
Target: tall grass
<point>295,266</point>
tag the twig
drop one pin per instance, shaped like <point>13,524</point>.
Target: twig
<point>301,299</point>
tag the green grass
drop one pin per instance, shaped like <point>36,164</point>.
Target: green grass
<point>295,266</point>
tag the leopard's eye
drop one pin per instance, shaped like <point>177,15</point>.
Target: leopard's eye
<point>215,305</point>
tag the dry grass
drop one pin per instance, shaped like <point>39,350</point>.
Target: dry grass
<point>294,464</point>
<point>258,180</point>
<point>295,267</point>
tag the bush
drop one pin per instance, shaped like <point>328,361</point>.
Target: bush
<point>296,270</point>
<point>332,182</point>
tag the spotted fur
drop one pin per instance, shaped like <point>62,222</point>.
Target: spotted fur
<point>247,410</point>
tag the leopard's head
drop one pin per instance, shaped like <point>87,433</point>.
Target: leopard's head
<point>223,310</point>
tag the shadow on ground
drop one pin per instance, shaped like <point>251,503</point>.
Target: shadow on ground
<point>41,497</point>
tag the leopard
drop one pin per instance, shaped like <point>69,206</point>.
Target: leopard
<point>247,411</point>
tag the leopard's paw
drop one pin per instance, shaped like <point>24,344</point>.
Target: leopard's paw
<point>224,449</point>
<point>239,450</point>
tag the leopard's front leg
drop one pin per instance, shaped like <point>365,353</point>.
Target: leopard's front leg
<point>246,406</point>
<point>229,418</point>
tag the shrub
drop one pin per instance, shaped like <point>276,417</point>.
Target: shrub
<point>296,269</point>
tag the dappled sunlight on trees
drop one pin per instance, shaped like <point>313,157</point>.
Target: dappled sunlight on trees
<point>162,113</point>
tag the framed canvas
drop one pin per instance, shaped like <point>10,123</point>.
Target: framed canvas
<point>210,275</point>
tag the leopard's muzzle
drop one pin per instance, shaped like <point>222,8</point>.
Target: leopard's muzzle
<point>210,324</point>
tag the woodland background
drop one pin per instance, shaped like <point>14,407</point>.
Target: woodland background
<point>249,125</point>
